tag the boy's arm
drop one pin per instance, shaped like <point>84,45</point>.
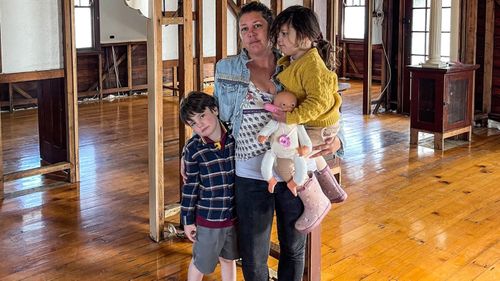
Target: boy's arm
<point>190,188</point>
<point>322,96</point>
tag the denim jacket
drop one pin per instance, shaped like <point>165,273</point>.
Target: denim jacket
<point>232,78</point>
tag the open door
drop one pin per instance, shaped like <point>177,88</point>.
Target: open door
<point>52,121</point>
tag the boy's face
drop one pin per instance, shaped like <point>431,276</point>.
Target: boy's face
<point>206,124</point>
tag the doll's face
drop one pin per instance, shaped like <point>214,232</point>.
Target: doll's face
<point>286,101</point>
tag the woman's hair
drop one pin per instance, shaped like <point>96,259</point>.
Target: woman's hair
<point>256,6</point>
<point>195,102</point>
<point>305,23</point>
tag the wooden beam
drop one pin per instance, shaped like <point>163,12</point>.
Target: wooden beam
<point>11,97</point>
<point>129,67</point>
<point>61,166</point>
<point>312,270</point>
<point>21,92</point>
<point>470,22</point>
<point>277,6</point>
<point>1,162</point>
<point>185,66</point>
<point>309,4</point>
<point>233,7</point>
<point>155,122</point>
<point>220,30</point>
<point>367,78</point>
<point>489,41</point>
<point>31,76</point>
<point>99,73</point>
<point>200,75</point>
<point>172,20</point>
<point>71,91</point>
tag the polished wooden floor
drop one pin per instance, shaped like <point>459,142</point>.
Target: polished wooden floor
<point>413,213</point>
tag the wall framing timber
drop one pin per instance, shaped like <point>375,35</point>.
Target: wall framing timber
<point>71,112</point>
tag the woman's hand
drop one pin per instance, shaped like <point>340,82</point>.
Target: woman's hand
<point>190,231</point>
<point>330,146</point>
<point>183,171</point>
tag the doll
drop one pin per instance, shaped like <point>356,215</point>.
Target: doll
<point>289,146</point>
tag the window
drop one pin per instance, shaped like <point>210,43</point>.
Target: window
<point>352,27</point>
<point>87,24</point>
<point>420,31</point>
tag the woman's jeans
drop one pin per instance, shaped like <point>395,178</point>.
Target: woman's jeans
<point>255,207</point>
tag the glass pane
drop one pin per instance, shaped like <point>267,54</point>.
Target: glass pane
<point>82,3</point>
<point>83,28</point>
<point>418,20</point>
<point>353,26</point>
<point>418,3</point>
<point>418,43</point>
<point>446,19</point>
<point>446,3</point>
<point>415,60</point>
<point>445,44</point>
<point>457,103</point>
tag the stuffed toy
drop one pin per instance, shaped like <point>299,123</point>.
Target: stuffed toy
<point>289,146</point>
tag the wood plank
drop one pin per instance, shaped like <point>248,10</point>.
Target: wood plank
<point>31,76</point>
<point>99,75</point>
<point>155,123</point>
<point>129,67</point>
<point>367,62</point>
<point>1,163</point>
<point>200,75</point>
<point>172,20</point>
<point>61,166</point>
<point>220,30</point>
<point>22,92</point>
<point>11,97</point>
<point>69,54</point>
<point>489,32</point>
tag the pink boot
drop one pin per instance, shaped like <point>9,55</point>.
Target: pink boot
<point>330,186</point>
<point>316,206</point>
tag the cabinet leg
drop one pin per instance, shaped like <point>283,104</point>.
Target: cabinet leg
<point>413,136</point>
<point>438,141</point>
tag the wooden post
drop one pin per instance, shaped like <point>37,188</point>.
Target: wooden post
<point>70,80</point>
<point>367,77</point>
<point>11,98</point>
<point>129,66</point>
<point>489,41</point>
<point>155,121</point>
<point>1,161</point>
<point>199,45</point>
<point>220,30</point>
<point>277,6</point>
<point>99,71</point>
<point>312,271</point>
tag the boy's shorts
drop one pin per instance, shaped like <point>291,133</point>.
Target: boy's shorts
<point>212,243</point>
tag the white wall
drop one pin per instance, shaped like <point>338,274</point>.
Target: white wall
<point>31,35</point>
<point>121,21</point>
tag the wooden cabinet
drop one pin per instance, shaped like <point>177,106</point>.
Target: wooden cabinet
<point>441,102</point>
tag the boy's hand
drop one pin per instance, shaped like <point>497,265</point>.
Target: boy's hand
<point>190,231</point>
<point>261,139</point>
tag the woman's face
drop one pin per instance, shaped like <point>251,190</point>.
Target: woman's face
<point>254,33</point>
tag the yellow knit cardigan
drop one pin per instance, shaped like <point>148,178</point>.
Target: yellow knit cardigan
<point>316,89</point>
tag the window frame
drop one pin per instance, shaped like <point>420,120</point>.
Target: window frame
<point>426,32</point>
<point>343,17</point>
<point>94,12</point>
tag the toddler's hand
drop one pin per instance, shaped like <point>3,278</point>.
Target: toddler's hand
<point>261,139</point>
<point>303,150</point>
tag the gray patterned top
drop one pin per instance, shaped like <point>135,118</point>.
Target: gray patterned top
<point>254,119</point>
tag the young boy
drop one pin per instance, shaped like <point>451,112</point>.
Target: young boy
<point>207,206</point>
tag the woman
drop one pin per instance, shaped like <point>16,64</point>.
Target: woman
<point>243,83</point>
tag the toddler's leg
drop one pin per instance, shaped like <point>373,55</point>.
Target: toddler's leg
<point>193,273</point>
<point>227,269</point>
